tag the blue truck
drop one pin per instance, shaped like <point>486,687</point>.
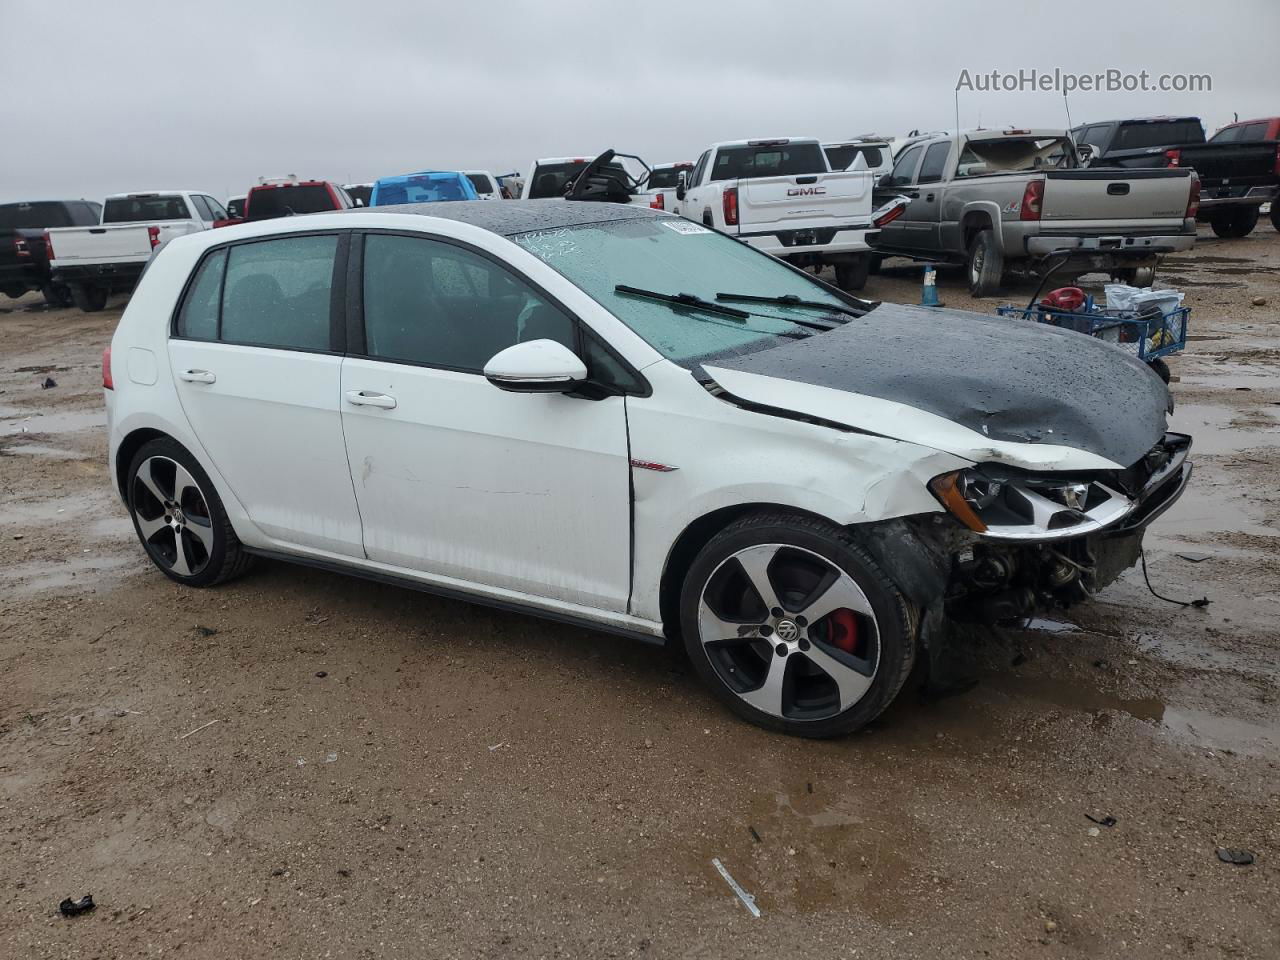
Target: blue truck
<point>429,186</point>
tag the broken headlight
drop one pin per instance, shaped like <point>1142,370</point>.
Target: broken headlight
<point>1004,505</point>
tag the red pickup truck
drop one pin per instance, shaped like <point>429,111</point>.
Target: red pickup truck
<point>289,196</point>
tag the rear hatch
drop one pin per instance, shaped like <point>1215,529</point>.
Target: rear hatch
<point>1101,201</point>
<point>288,199</point>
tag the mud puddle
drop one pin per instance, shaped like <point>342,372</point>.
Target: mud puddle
<point>71,421</point>
<point>86,572</point>
<point>1212,432</point>
<point>39,450</point>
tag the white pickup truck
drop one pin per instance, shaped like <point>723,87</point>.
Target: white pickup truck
<point>95,262</point>
<point>781,197</point>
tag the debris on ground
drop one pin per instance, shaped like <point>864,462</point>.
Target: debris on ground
<point>1194,557</point>
<point>1107,821</point>
<point>1259,301</point>
<point>322,674</point>
<point>754,836</point>
<point>1241,858</point>
<point>747,899</point>
<point>198,729</point>
<point>73,908</point>
<point>1094,831</point>
<point>49,383</point>
<point>205,631</point>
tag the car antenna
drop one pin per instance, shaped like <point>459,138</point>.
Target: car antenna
<point>1066,106</point>
<point>957,110</point>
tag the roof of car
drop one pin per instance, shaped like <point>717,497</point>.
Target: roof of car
<point>509,217</point>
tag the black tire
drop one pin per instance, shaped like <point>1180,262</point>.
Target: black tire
<point>852,274</point>
<point>1235,222</point>
<point>873,264</point>
<point>1275,213</point>
<point>986,264</point>
<point>89,298</point>
<point>1161,368</point>
<point>15,292</point>
<point>56,295</point>
<point>223,559</point>
<point>890,640</point>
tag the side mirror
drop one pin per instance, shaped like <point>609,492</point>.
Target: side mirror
<point>536,366</point>
<point>886,180</point>
<point>682,184</point>
<point>1087,152</point>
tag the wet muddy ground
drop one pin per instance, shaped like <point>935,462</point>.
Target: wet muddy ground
<point>304,765</point>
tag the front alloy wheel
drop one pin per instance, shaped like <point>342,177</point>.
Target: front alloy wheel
<point>795,627</point>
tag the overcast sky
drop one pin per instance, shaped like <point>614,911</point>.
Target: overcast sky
<point>102,96</point>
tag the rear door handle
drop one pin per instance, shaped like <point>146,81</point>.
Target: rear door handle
<point>197,376</point>
<point>365,398</point>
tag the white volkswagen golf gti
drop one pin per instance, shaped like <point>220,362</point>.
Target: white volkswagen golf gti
<point>608,415</point>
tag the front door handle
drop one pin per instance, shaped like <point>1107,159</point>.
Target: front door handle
<point>366,398</point>
<point>929,197</point>
<point>197,376</point>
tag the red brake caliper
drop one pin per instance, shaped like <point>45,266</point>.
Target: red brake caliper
<point>842,628</point>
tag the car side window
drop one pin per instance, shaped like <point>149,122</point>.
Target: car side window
<point>439,305</point>
<point>1253,132</point>
<point>935,162</point>
<point>1094,136</point>
<point>198,317</point>
<point>202,208</point>
<point>701,165</point>
<point>215,208</point>
<point>905,167</point>
<point>277,293</point>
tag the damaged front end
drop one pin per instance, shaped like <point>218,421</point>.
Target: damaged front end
<point>1018,541</point>
<point>1039,541</point>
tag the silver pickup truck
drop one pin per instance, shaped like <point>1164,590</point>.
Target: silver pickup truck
<point>1017,201</point>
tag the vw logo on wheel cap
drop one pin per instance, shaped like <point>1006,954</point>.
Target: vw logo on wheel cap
<point>788,632</point>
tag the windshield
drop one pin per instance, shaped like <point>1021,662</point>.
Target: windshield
<point>841,158</point>
<point>551,179</point>
<point>671,255</point>
<point>138,209</point>
<point>1014,155</point>
<point>422,188</point>
<point>665,178</point>
<point>33,216</point>
<point>482,183</point>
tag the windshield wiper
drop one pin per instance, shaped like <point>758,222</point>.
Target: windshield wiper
<point>791,300</point>
<point>686,300</point>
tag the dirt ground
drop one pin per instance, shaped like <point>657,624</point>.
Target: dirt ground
<point>300,764</point>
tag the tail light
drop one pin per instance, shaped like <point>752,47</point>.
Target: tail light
<point>48,248</point>
<point>107,382</point>
<point>1193,201</point>
<point>20,248</point>
<point>154,234</point>
<point>891,215</point>
<point>658,203</point>
<point>731,206</point>
<point>1032,201</point>
<point>1173,157</point>
<point>1276,168</point>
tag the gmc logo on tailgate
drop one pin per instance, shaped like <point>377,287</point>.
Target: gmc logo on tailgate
<point>806,191</point>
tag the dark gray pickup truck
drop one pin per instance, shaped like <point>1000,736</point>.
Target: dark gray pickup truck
<point>24,257</point>
<point>1237,174</point>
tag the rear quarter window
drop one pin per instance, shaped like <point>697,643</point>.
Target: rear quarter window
<point>198,317</point>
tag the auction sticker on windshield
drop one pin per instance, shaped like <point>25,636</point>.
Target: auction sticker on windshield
<point>683,227</point>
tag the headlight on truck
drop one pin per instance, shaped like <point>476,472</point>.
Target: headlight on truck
<point>1006,506</point>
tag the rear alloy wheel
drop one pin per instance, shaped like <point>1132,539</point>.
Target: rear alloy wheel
<point>1235,222</point>
<point>179,518</point>
<point>795,627</point>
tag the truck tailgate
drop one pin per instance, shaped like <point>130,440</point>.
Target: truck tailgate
<point>1217,163</point>
<point>803,201</point>
<point>73,245</point>
<point>1100,200</point>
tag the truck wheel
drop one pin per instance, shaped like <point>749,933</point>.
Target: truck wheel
<point>15,291</point>
<point>1235,223</point>
<point>89,298</point>
<point>56,295</point>
<point>1135,276</point>
<point>1161,368</point>
<point>874,261</point>
<point>986,264</point>
<point>1275,213</point>
<point>852,274</point>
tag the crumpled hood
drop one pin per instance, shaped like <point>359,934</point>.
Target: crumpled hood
<point>981,387</point>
